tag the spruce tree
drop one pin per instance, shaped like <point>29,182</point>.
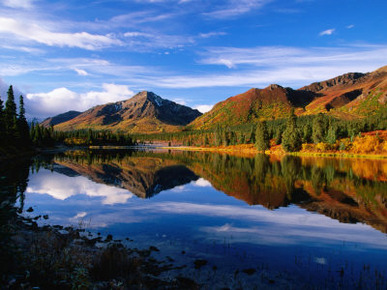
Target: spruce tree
<point>262,141</point>
<point>318,129</point>
<point>2,124</point>
<point>252,136</point>
<point>22,124</point>
<point>291,138</point>
<point>10,116</point>
<point>332,134</point>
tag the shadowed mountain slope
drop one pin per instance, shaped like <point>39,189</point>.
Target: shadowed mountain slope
<point>61,118</point>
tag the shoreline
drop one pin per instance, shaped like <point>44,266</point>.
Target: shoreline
<point>48,256</point>
<point>251,151</point>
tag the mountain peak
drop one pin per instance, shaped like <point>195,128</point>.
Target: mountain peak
<point>273,87</point>
<point>148,96</point>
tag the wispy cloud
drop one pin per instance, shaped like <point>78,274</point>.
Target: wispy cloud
<point>211,34</point>
<point>350,26</point>
<point>37,33</point>
<point>234,8</point>
<point>18,3</point>
<point>146,41</point>
<point>327,32</point>
<point>283,57</point>
<point>81,72</point>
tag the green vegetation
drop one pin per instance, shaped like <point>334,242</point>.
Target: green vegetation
<point>262,140</point>
<point>291,137</point>
<point>291,133</point>
<point>14,131</point>
<point>47,137</point>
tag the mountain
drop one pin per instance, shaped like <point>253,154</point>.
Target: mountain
<point>349,96</point>
<point>273,102</point>
<point>145,112</point>
<point>61,118</point>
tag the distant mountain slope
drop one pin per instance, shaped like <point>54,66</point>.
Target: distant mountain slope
<point>273,102</point>
<point>349,96</point>
<point>61,118</point>
<point>145,112</point>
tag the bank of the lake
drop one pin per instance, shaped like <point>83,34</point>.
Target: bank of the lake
<point>48,257</point>
<point>249,150</point>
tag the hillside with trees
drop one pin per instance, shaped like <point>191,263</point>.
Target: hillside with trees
<point>350,96</point>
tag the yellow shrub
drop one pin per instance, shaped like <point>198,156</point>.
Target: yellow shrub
<point>306,146</point>
<point>323,146</point>
<point>366,144</point>
<point>75,141</point>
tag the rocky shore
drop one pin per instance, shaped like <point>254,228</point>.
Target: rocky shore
<point>53,257</point>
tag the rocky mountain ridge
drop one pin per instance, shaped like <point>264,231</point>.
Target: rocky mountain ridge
<point>349,96</point>
<point>145,111</point>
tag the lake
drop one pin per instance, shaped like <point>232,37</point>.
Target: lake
<point>285,222</point>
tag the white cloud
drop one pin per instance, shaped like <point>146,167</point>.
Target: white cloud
<point>180,101</point>
<point>201,182</point>
<point>62,99</point>
<point>327,32</point>
<point>350,26</point>
<point>35,32</point>
<point>226,62</point>
<point>81,72</point>
<point>18,3</point>
<point>203,108</point>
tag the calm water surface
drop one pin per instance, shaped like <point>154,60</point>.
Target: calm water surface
<point>290,221</point>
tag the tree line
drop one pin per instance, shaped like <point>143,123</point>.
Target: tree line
<point>290,133</point>
<point>14,129</point>
<point>47,137</point>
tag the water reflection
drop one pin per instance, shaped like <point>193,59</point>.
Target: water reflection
<point>350,190</point>
<point>13,182</point>
<point>143,176</point>
<point>47,183</point>
<point>217,206</point>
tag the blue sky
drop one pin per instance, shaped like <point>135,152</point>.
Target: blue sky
<point>71,55</point>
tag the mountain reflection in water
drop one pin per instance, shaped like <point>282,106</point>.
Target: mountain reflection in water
<point>349,190</point>
<point>306,220</point>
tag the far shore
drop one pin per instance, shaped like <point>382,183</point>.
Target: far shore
<point>244,150</point>
<point>251,150</point>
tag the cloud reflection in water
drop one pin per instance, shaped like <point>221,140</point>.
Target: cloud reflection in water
<point>63,187</point>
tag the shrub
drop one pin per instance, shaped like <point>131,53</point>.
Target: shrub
<point>323,146</point>
<point>366,144</point>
